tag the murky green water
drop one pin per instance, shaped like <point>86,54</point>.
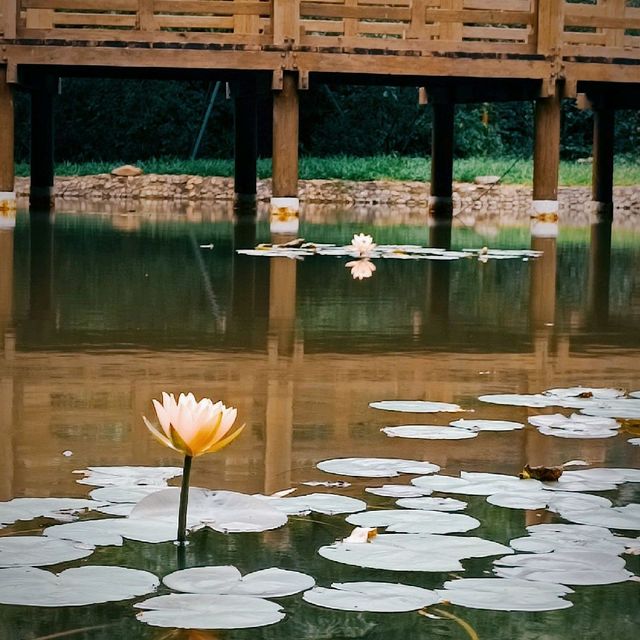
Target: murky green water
<point>100,314</point>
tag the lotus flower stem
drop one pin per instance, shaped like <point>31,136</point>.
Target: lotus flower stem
<point>184,500</point>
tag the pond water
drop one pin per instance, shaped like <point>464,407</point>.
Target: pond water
<point>101,313</point>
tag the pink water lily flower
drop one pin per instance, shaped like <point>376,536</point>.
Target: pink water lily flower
<point>191,427</point>
<point>363,244</point>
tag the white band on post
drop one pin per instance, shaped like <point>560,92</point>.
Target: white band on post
<point>8,206</point>
<point>284,215</point>
<point>544,219</point>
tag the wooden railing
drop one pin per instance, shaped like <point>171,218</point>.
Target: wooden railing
<point>605,28</point>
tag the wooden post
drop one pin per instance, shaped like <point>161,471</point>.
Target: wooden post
<point>602,176</point>
<point>246,140</point>
<point>41,192</point>
<point>7,170</point>
<point>284,201</point>
<point>9,18</point>
<point>285,20</point>
<point>546,162</point>
<point>440,202</point>
<point>145,20</point>
<point>549,25</point>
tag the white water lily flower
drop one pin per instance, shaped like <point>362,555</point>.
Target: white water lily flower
<point>361,535</point>
<point>363,244</point>
<point>361,269</point>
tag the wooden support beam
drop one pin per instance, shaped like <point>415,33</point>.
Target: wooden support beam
<point>602,176</point>
<point>246,139</point>
<point>41,195</point>
<point>546,162</point>
<point>441,191</point>
<point>284,201</point>
<point>7,170</point>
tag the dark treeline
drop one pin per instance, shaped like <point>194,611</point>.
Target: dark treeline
<point>129,120</point>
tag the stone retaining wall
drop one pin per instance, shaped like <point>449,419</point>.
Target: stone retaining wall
<point>471,201</point>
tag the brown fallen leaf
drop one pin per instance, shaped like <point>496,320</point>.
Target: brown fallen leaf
<point>546,474</point>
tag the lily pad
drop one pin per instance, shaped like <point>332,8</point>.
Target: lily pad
<point>487,425</point>
<point>598,393</point>
<point>545,499</point>
<point>226,580</point>
<point>127,476</point>
<point>63,509</point>
<point>415,406</point>
<point>412,552</point>
<point>623,408</point>
<point>121,494</point>
<point>397,491</point>
<point>28,586</point>
<point>428,432</point>
<point>634,441</point>
<point>415,521</point>
<point>432,504</point>
<point>477,484</point>
<point>38,551</point>
<point>500,594</point>
<point>547,538</point>
<point>375,467</point>
<point>575,426</point>
<point>610,517</point>
<point>570,567</point>
<point>327,503</point>
<point>201,611</point>
<point>383,597</point>
<point>534,400</point>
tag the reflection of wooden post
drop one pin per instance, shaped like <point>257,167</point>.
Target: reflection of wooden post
<point>41,194</point>
<point>246,140</point>
<point>278,430</point>
<point>282,303</point>
<point>41,263</point>
<point>440,202</point>
<point>6,283</point>
<point>439,279</point>
<point>285,204</point>
<point>602,176</point>
<point>542,300</point>
<point>7,176</point>
<point>599,272</point>
<point>6,429</point>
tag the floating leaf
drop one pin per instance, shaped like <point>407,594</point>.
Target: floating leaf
<point>477,484</point>
<point>500,594</point>
<point>547,538</point>
<point>535,400</point>
<point>570,567</point>
<point>201,611</point>
<point>487,425</point>
<point>415,406</point>
<point>327,503</point>
<point>412,552</point>
<point>384,597</point>
<point>28,586</point>
<point>57,508</point>
<point>627,408</point>
<point>518,500</point>
<point>586,392</point>
<point>226,580</point>
<point>552,500</point>
<point>415,521</point>
<point>375,467</point>
<point>37,551</point>
<point>432,504</point>
<point>128,476</point>
<point>575,426</point>
<point>544,474</point>
<point>397,491</point>
<point>634,441</point>
<point>122,493</point>
<point>428,432</point>
<point>611,517</point>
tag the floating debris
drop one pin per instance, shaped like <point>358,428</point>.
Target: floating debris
<point>545,474</point>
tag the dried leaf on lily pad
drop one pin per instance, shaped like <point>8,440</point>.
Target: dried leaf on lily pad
<point>564,567</point>
<point>432,504</point>
<point>397,491</point>
<point>63,509</point>
<point>545,474</point>
<point>375,467</point>
<point>547,538</point>
<point>428,432</point>
<point>202,611</point>
<point>28,586</point>
<point>327,503</point>
<point>415,406</point>
<point>477,484</point>
<point>415,521</point>
<point>225,511</point>
<point>384,597</point>
<point>127,476</point>
<point>501,594</point>
<point>38,551</point>
<point>487,425</point>
<point>586,392</point>
<point>412,552</point>
<point>227,580</point>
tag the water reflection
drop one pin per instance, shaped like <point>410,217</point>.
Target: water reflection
<point>599,273</point>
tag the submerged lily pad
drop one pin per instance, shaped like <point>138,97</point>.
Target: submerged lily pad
<point>385,597</point>
<point>56,508</point>
<point>428,432</point>
<point>128,476</point>
<point>415,406</point>
<point>201,611</point>
<point>327,503</point>
<point>28,586</point>
<point>487,425</point>
<point>432,504</point>
<point>375,467</point>
<point>226,580</point>
<point>564,567</point>
<point>38,551</point>
<point>502,594</point>
<point>397,491</point>
<point>412,552</point>
<point>415,521</point>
